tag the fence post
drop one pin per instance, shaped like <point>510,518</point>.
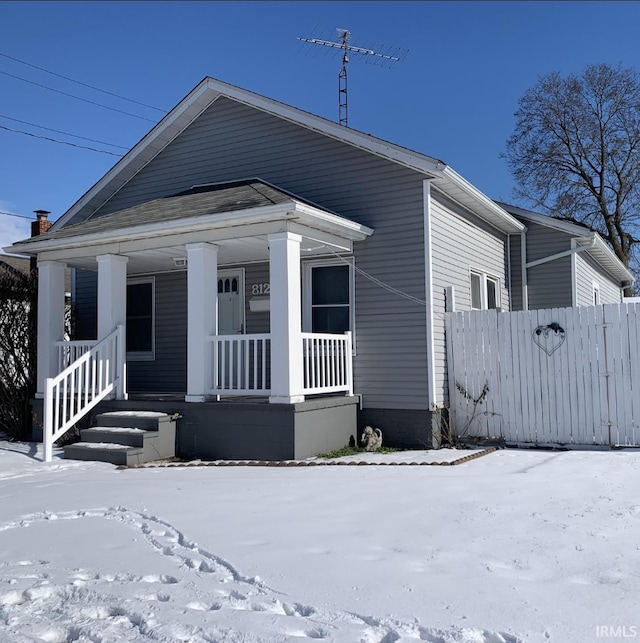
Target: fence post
<point>47,427</point>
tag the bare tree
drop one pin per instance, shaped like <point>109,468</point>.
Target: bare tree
<point>17,350</point>
<point>575,151</point>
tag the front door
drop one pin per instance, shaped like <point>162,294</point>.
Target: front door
<point>230,302</point>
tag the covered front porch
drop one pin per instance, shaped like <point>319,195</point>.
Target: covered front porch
<point>286,365</point>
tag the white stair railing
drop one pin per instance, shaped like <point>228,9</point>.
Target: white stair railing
<point>71,394</point>
<point>328,365</point>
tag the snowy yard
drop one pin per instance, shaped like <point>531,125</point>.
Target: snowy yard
<point>513,546</point>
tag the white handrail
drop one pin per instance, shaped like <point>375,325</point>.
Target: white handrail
<point>71,394</point>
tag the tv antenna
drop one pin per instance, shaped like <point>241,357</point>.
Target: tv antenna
<point>376,57</point>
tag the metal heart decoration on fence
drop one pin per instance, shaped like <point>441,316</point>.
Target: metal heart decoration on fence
<point>550,337</point>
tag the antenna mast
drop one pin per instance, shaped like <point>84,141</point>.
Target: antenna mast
<point>343,44</point>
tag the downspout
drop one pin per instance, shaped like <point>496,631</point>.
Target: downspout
<point>523,270</point>
<point>509,275</point>
<point>428,286</point>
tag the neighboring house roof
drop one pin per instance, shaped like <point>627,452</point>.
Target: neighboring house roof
<point>209,90</point>
<point>15,264</point>
<point>601,251</point>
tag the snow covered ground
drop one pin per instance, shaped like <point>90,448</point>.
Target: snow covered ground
<point>513,546</point>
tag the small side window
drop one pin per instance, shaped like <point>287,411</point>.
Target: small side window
<point>476,291</point>
<point>596,294</point>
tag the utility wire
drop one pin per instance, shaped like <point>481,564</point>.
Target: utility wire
<point>77,82</point>
<point>12,214</point>
<point>84,100</point>
<point>55,140</point>
<point>57,131</point>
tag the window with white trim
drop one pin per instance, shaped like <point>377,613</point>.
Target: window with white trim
<point>141,319</point>
<point>596,293</point>
<point>328,288</point>
<point>485,291</point>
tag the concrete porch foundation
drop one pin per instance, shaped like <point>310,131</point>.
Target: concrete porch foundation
<point>243,430</point>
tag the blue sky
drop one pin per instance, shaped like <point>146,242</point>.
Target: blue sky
<point>452,97</point>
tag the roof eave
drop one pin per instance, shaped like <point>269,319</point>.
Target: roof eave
<point>485,207</point>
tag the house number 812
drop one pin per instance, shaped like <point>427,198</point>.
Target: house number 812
<point>260,289</point>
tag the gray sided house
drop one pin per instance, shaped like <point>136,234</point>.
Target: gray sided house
<point>563,265</point>
<point>281,280</point>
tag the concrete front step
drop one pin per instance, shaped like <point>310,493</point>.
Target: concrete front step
<point>126,437</point>
<point>118,435</point>
<point>104,452</point>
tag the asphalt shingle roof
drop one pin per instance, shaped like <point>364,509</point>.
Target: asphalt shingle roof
<point>197,201</point>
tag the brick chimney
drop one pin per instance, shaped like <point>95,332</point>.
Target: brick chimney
<point>41,224</point>
<point>38,227</point>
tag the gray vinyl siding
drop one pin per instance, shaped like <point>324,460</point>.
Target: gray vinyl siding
<point>588,272</point>
<point>232,141</point>
<point>515,272</point>
<point>549,285</point>
<point>257,273</point>
<point>167,372</point>
<point>85,304</point>
<point>460,243</point>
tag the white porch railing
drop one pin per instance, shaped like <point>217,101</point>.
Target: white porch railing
<point>241,364</point>
<point>71,394</point>
<point>69,352</point>
<point>327,363</point>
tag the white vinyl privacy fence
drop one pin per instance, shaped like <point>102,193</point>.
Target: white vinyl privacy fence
<point>560,376</point>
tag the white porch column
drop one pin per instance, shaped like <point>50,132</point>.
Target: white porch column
<point>202,318</point>
<point>112,293</point>
<point>286,322</point>
<point>50,319</point>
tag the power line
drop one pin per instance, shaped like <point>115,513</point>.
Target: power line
<point>84,100</point>
<point>78,82</point>
<point>57,131</point>
<point>13,214</point>
<point>55,140</point>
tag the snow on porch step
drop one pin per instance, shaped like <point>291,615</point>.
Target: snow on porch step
<point>148,420</point>
<point>131,437</point>
<point>127,437</point>
<point>104,452</point>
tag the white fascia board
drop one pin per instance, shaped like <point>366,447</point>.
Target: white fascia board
<point>332,223</point>
<point>550,222</point>
<point>607,258</point>
<point>486,209</point>
<point>164,228</point>
<point>288,211</point>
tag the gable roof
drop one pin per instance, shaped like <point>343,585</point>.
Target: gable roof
<point>209,90</point>
<point>601,251</point>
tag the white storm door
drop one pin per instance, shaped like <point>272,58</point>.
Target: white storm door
<point>230,302</point>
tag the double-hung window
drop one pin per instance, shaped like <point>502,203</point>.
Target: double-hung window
<point>485,291</point>
<point>140,319</point>
<point>328,287</point>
